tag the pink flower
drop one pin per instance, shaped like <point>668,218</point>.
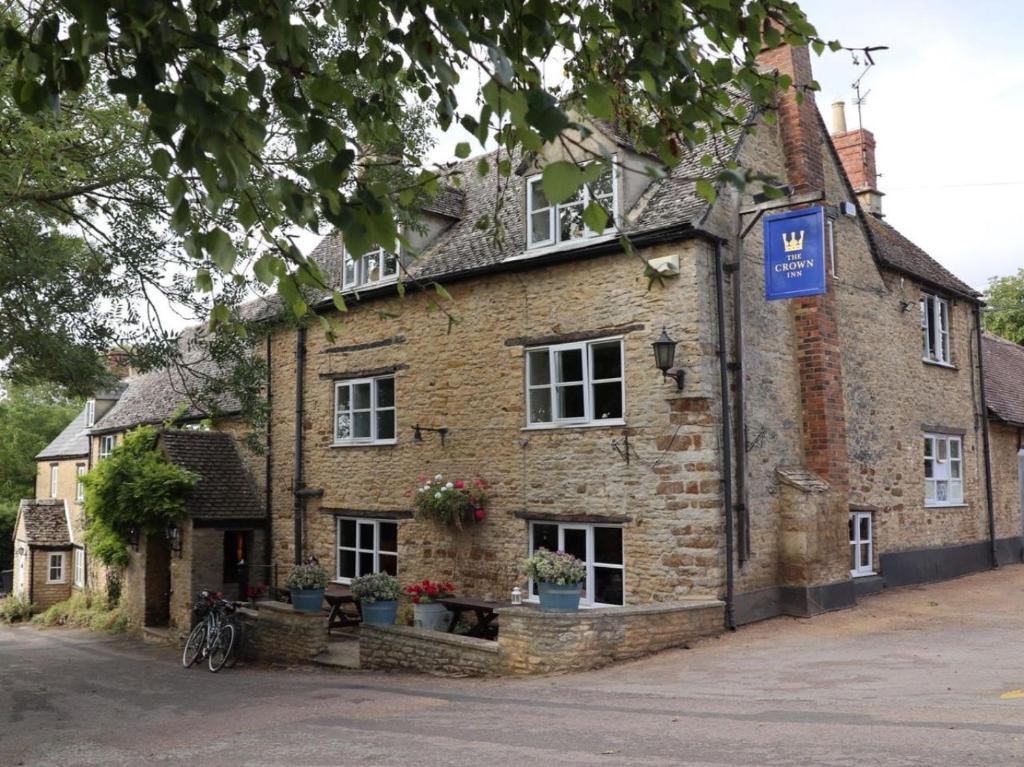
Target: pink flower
<point>478,482</point>
<point>479,514</point>
<point>459,484</point>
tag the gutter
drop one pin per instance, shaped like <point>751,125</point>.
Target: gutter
<point>985,440</point>
<point>300,497</point>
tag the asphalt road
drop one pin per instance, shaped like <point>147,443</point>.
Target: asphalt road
<point>927,676</point>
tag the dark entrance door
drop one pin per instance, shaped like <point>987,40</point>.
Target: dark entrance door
<point>158,581</point>
<point>237,544</point>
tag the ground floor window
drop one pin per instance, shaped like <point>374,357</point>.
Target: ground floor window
<point>943,470</point>
<point>366,546</point>
<point>79,564</point>
<point>861,544</point>
<point>599,546</point>
<point>55,573</point>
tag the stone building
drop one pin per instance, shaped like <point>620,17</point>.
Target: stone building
<point>1004,392</point>
<point>44,557</point>
<point>845,451</point>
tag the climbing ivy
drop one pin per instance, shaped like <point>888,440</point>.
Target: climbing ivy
<point>135,487</point>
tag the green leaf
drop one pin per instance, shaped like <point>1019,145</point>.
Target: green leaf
<point>440,290</point>
<point>161,160</point>
<point>264,268</point>
<point>598,101</point>
<point>561,180</point>
<point>204,282</point>
<point>595,217</point>
<point>221,249</point>
<point>175,190</point>
<point>706,190</point>
<point>462,150</point>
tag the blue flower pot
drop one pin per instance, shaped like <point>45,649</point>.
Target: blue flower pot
<point>307,600</point>
<point>380,613</point>
<point>555,597</point>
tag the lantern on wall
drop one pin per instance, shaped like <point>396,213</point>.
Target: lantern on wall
<point>665,357</point>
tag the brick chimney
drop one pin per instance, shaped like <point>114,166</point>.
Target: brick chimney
<point>856,149</point>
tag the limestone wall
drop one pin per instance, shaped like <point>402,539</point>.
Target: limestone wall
<point>276,633</point>
<point>430,652</point>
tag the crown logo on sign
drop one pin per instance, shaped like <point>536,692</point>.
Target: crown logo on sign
<point>793,242</point>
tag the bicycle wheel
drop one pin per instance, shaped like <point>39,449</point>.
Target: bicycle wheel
<point>236,649</point>
<point>222,646</point>
<point>194,645</point>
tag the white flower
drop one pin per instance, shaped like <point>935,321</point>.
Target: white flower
<point>439,477</point>
<point>437,495</point>
<point>449,486</point>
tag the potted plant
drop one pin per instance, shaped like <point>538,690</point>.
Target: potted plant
<point>427,613</point>
<point>378,595</point>
<point>307,584</point>
<point>558,576</point>
<point>455,503</point>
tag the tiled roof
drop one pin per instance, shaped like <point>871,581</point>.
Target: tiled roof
<point>225,489</point>
<point>152,397</point>
<point>449,202</point>
<point>1004,379</point>
<point>896,251</point>
<point>46,523</point>
<point>464,247</point>
<point>70,443</point>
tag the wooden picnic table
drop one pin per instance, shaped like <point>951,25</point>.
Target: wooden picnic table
<point>486,613</point>
<point>336,596</point>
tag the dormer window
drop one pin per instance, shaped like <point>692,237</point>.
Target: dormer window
<point>374,267</point>
<point>90,413</point>
<point>549,224</point>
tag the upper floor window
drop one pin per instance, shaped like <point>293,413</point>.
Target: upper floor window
<point>598,546</point>
<point>79,484</point>
<point>550,224</point>
<point>364,411</point>
<point>943,470</point>
<point>935,329</point>
<point>90,413</point>
<point>107,444</point>
<point>576,383</point>
<point>54,477</point>
<point>372,268</point>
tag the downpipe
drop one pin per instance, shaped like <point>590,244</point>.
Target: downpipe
<point>985,441</point>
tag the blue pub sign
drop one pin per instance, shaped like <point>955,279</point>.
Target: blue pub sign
<point>794,254</point>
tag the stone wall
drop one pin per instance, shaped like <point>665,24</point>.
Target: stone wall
<point>276,633</point>
<point>45,594</point>
<point>430,652</point>
<point>469,378</point>
<point>1008,491</point>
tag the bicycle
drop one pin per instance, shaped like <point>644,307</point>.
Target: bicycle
<point>215,636</point>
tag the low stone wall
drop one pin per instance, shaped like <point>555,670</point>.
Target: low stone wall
<point>431,652</point>
<point>277,633</point>
<point>531,641</point>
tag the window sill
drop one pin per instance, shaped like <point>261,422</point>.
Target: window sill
<point>947,505</point>
<point>937,364</point>
<point>542,250</point>
<point>55,583</point>
<point>611,423</point>
<point>370,285</point>
<point>854,574</point>
<point>367,443</point>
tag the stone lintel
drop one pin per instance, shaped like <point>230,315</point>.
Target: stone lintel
<point>566,338</point>
<point>345,375</point>
<point>598,519</point>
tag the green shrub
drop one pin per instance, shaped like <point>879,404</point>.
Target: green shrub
<point>86,609</point>
<point>14,609</point>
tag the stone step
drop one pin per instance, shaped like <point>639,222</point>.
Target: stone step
<point>340,654</point>
<point>156,635</point>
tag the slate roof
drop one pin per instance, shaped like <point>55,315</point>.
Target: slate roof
<point>896,251</point>
<point>150,398</point>
<point>1004,379</point>
<point>46,523</point>
<point>225,489</point>
<point>73,442</point>
<point>464,247</point>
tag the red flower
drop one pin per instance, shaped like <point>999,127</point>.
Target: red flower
<point>478,482</point>
<point>479,514</point>
<point>459,484</point>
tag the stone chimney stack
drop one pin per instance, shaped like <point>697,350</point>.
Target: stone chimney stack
<point>856,149</point>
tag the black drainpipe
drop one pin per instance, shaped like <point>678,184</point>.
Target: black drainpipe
<point>985,442</point>
<point>300,500</point>
<point>268,488</point>
<point>740,432</point>
<point>723,374</point>
<point>31,573</point>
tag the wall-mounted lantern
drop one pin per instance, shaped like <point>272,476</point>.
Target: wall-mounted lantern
<point>133,537</point>
<point>665,357</point>
<point>174,538</point>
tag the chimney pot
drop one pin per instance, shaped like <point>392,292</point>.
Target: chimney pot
<point>838,117</point>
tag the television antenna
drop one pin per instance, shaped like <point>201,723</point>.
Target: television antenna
<point>862,57</point>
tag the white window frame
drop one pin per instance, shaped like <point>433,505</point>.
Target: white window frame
<point>54,479</point>
<point>359,270</point>
<point>373,410</point>
<point>587,593</point>
<point>80,471</point>
<point>358,549</point>
<point>935,330</point>
<point>58,558</point>
<point>589,382</point>
<point>78,563</point>
<point>554,212</point>
<point>90,413</point>
<point>938,454</point>
<point>858,568</point>
<point>107,444</point>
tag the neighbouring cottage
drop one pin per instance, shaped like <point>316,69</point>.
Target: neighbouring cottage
<point>46,558</point>
<point>1004,393</point>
